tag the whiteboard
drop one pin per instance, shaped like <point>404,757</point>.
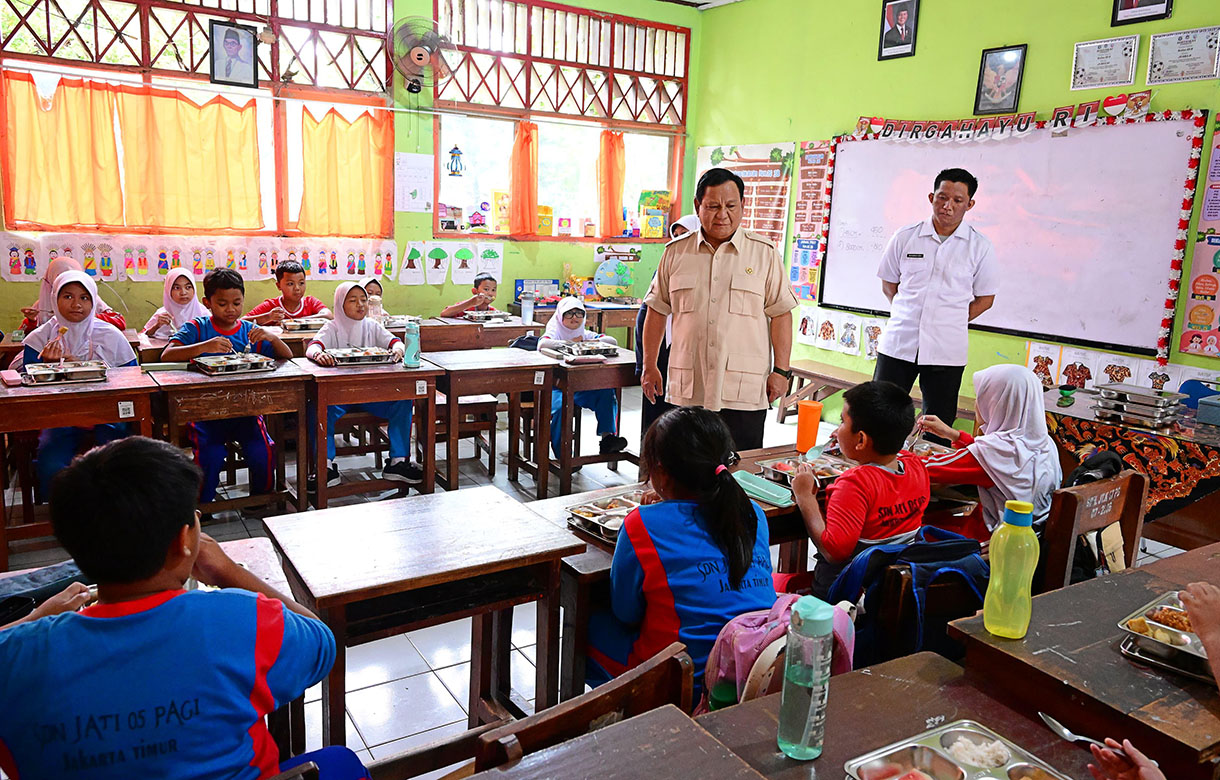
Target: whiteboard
<point>1083,225</point>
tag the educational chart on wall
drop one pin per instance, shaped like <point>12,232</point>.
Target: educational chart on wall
<point>413,174</point>
<point>765,169</point>
<point>809,226</point>
<point>1201,330</point>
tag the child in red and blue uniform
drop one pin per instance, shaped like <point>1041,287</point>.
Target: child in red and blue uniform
<point>154,680</point>
<point>684,567</point>
<point>224,332</point>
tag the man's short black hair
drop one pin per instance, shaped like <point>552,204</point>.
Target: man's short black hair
<point>288,267</point>
<point>118,507</point>
<point>959,175</point>
<point>483,277</point>
<point>714,178</point>
<point>884,411</point>
<point>222,279</point>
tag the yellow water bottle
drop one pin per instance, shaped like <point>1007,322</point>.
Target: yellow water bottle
<point>1014,556</point>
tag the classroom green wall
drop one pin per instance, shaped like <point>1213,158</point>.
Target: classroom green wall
<point>798,70</point>
<point>413,133</point>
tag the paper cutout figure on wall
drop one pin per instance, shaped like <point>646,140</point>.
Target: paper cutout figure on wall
<point>31,265</point>
<point>334,262</point>
<point>872,335</point>
<point>87,260</point>
<point>262,262</point>
<point>1077,374</point>
<point>377,266</point>
<point>351,263</point>
<point>464,255</point>
<point>197,262</point>
<point>105,263</point>
<point>275,259</point>
<point>412,257</point>
<point>14,261</point>
<point>1042,370</point>
<point>1117,373</point>
<point>304,260</point>
<point>242,263</point>
<point>848,339</point>
<point>1158,378</point>
<point>437,256</point>
<point>360,264</point>
<point>209,259</point>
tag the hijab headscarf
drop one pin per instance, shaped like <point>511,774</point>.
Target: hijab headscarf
<point>181,313</point>
<point>343,331</point>
<point>555,329</point>
<point>1015,450</point>
<point>690,222</point>
<point>46,288</point>
<point>89,339</point>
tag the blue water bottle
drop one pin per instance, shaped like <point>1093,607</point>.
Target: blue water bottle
<point>410,342</point>
<point>802,702</point>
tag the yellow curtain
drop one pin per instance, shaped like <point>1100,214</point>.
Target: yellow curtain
<point>61,161</point>
<point>611,176</point>
<point>345,184</point>
<point>523,181</point>
<point>189,166</point>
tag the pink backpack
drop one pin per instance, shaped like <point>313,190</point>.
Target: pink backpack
<point>746,636</point>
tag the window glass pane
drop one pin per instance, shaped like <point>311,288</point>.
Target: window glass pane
<point>567,170</point>
<point>486,145</point>
<point>647,167</point>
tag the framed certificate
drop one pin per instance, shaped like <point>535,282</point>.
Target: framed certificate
<point>1185,55</point>
<point>1105,63</point>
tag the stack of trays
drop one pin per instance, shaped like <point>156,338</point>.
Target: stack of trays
<point>1139,406</point>
<point>69,371</point>
<point>1161,635</point>
<point>956,751</point>
<point>604,517</point>
<point>350,356</point>
<point>237,363</point>
<point>782,470</point>
<point>487,316</point>
<point>303,325</point>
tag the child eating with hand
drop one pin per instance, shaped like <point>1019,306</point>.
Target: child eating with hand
<point>220,334</point>
<point>484,294</point>
<point>567,327</point>
<point>880,501</point>
<point>292,302</point>
<point>352,328</point>
<point>75,332</point>
<point>178,306</point>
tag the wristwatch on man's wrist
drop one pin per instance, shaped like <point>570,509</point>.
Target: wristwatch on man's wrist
<point>786,373</point>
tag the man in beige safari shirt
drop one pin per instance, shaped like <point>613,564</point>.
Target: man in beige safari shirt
<point>732,315</point>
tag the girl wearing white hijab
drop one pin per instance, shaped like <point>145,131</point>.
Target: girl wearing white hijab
<point>567,326</point>
<point>687,224</point>
<point>1014,458</point>
<point>44,310</point>
<point>75,333</point>
<point>179,305</point>
<point>352,328</point>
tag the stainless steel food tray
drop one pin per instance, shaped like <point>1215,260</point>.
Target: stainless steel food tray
<point>828,468</point>
<point>1163,424</point>
<point>605,516</point>
<point>585,349</point>
<point>240,363</point>
<point>351,356</point>
<point>486,316</point>
<point>1139,395</point>
<point>929,448</point>
<point>1143,410</point>
<point>67,372</point>
<point>1134,647</point>
<point>401,320</point>
<point>1179,641</point>
<point>303,324</point>
<point>929,753</point>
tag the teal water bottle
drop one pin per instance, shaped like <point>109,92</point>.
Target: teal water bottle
<point>1014,556</point>
<point>410,342</point>
<point>802,703</point>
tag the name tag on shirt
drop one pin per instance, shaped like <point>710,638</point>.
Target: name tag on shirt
<point>915,255</point>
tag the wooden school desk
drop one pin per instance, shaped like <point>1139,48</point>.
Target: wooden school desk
<point>1069,667</point>
<point>344,386</point>
<point>191,396</point>
<point>496,334</point>
<point>661,743</point>
<point>125,397</point>
<point>381,569</point>
<point>873,707</point>
<point>437,335</point>
<point>616,373</point>
<point>495,371</point>
<point>616,315</point>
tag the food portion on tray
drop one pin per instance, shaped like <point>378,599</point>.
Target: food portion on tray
<point>352,356</point>
<point>587,348</point>
<point>827,468</point>
<point>303,324</point>
<point>955,751</point>
<point>604,517</point>
<point>238,362</point>
<point>927,449</point>
<point>67,371</point>
<point>487,316</point>
<point>1163,628</point>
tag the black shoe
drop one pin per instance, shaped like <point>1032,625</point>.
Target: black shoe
<point>612,444</point>
<point>404,471</point>
<point>333,477</point>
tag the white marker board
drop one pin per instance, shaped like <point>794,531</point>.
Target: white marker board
<point>1084,225</point>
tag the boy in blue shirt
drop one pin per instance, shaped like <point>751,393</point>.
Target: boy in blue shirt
<point>152,680</point>
<point>225,331</point>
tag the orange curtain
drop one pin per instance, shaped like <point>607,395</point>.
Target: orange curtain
<point>345,182</point>
<point>523,181</point>
<point>611,175</point>
<point>61,161</point>
<point>189,166</point>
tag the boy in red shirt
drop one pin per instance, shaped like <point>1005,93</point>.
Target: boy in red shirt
<point>484,293</point>
<point>292,302</point>
<point>882,500</point>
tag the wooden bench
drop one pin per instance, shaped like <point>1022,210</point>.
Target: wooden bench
<point>818,381</point>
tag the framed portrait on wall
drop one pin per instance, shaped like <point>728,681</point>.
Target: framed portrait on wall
<point>999,87</point>
<point>233,55</point>
<point>898,27</point>
<point>1132,11</point>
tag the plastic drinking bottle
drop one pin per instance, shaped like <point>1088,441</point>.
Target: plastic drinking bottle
<point>1014,556</point>
<point>802,703</point>
<point>410,341</point>
<point>527,308</point>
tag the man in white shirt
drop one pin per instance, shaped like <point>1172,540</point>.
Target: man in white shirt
<point>939,275</point>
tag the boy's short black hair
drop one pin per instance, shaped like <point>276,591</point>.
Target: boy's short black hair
<point>959,175</point>
<point>222,279</point>
<point>884,411</point>
<point>118,507</point>
<point>288,267</point>
<point>483,277</point>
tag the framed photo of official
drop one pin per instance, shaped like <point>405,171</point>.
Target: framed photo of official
<point>233,55</point>
<point>899,24</point>
<point>999,87</point>
<point>1132,11</point>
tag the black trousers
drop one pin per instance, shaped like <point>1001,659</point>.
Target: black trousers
<point>939,384</point>
<point>746,427</point>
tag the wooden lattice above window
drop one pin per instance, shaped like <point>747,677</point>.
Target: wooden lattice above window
<point>541,58</point>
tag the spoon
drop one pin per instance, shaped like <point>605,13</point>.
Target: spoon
<point>1070,736</point>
